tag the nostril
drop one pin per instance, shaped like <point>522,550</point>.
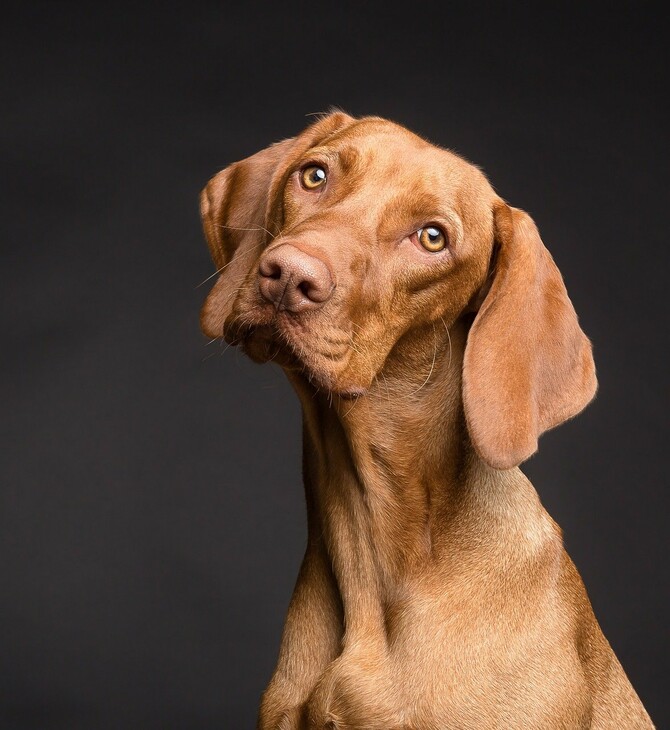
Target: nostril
<point>270,269</point>
<point>293,280</point>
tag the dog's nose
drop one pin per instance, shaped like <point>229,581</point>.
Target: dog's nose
<point>292,279</point>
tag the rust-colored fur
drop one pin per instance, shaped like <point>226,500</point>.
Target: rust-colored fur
<point>435,591</point>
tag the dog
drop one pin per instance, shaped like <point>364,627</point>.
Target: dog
<point>429,336</point>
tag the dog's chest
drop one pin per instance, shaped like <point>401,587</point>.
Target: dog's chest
<point>456,672</point>
<point>465,694</point>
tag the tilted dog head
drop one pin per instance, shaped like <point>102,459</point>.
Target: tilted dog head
<point>333,245</point>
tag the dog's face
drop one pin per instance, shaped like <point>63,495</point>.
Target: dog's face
<point>371,232</point>
<point>337,246</point>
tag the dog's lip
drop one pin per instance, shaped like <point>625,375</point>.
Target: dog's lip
<point>239,331</point>
<point>268,324</point>
<point>280,349</point>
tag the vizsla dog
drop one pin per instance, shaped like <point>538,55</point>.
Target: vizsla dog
<point>430,338</point>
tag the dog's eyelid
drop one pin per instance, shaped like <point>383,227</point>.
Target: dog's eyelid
<point>323,158</point>
<point>452,226</point>
<point>436,221</point>
<point>313,162</point>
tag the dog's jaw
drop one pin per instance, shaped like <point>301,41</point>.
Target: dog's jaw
<point>269,336</point>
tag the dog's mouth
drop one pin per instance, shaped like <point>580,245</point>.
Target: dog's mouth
<point>323,360</point>
<point>263,343</point>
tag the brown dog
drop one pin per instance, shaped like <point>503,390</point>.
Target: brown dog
<point>430,338</point>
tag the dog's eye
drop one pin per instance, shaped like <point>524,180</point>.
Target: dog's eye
<point>313,177</point>
<point>432,238</point>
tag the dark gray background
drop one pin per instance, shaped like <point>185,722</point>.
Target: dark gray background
<point>151,518</point>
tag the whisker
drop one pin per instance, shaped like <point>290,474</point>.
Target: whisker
<point>256,229</point>
<point>386,382</point>
<point>244,287</point>
<point>353,347</point>
<point>432,366</point>
<point>352,406</point>
<point>225,266</point>
<point>449,338</point>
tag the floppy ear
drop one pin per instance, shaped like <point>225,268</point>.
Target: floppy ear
<point>527,366</point>
<point>234,207</point>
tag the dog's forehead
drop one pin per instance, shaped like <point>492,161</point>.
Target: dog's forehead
<point>388,151</point>
<point>408,174</point>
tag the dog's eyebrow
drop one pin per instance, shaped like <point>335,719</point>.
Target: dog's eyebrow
<point>408,209</point>
<point>348,158</point>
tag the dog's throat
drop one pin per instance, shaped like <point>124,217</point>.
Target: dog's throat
<point>376,489</point>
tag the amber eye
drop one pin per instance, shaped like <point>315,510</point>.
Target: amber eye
<point>313,177</point>
<point>432,238</point>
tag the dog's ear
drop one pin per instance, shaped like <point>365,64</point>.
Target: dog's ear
<point>528,366</point>
<point>232,207</point>
<point>235,205</point>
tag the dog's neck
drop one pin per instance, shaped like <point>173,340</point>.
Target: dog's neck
<point>393,482</point>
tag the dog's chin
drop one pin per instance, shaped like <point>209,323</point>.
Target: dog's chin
<point>264,344</point>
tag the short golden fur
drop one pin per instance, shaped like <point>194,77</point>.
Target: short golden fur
<point>435,591</point>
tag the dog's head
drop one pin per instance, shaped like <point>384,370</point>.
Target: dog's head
<point>334,245</point>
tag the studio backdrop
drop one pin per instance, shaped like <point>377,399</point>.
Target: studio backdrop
<point>151,501</point>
